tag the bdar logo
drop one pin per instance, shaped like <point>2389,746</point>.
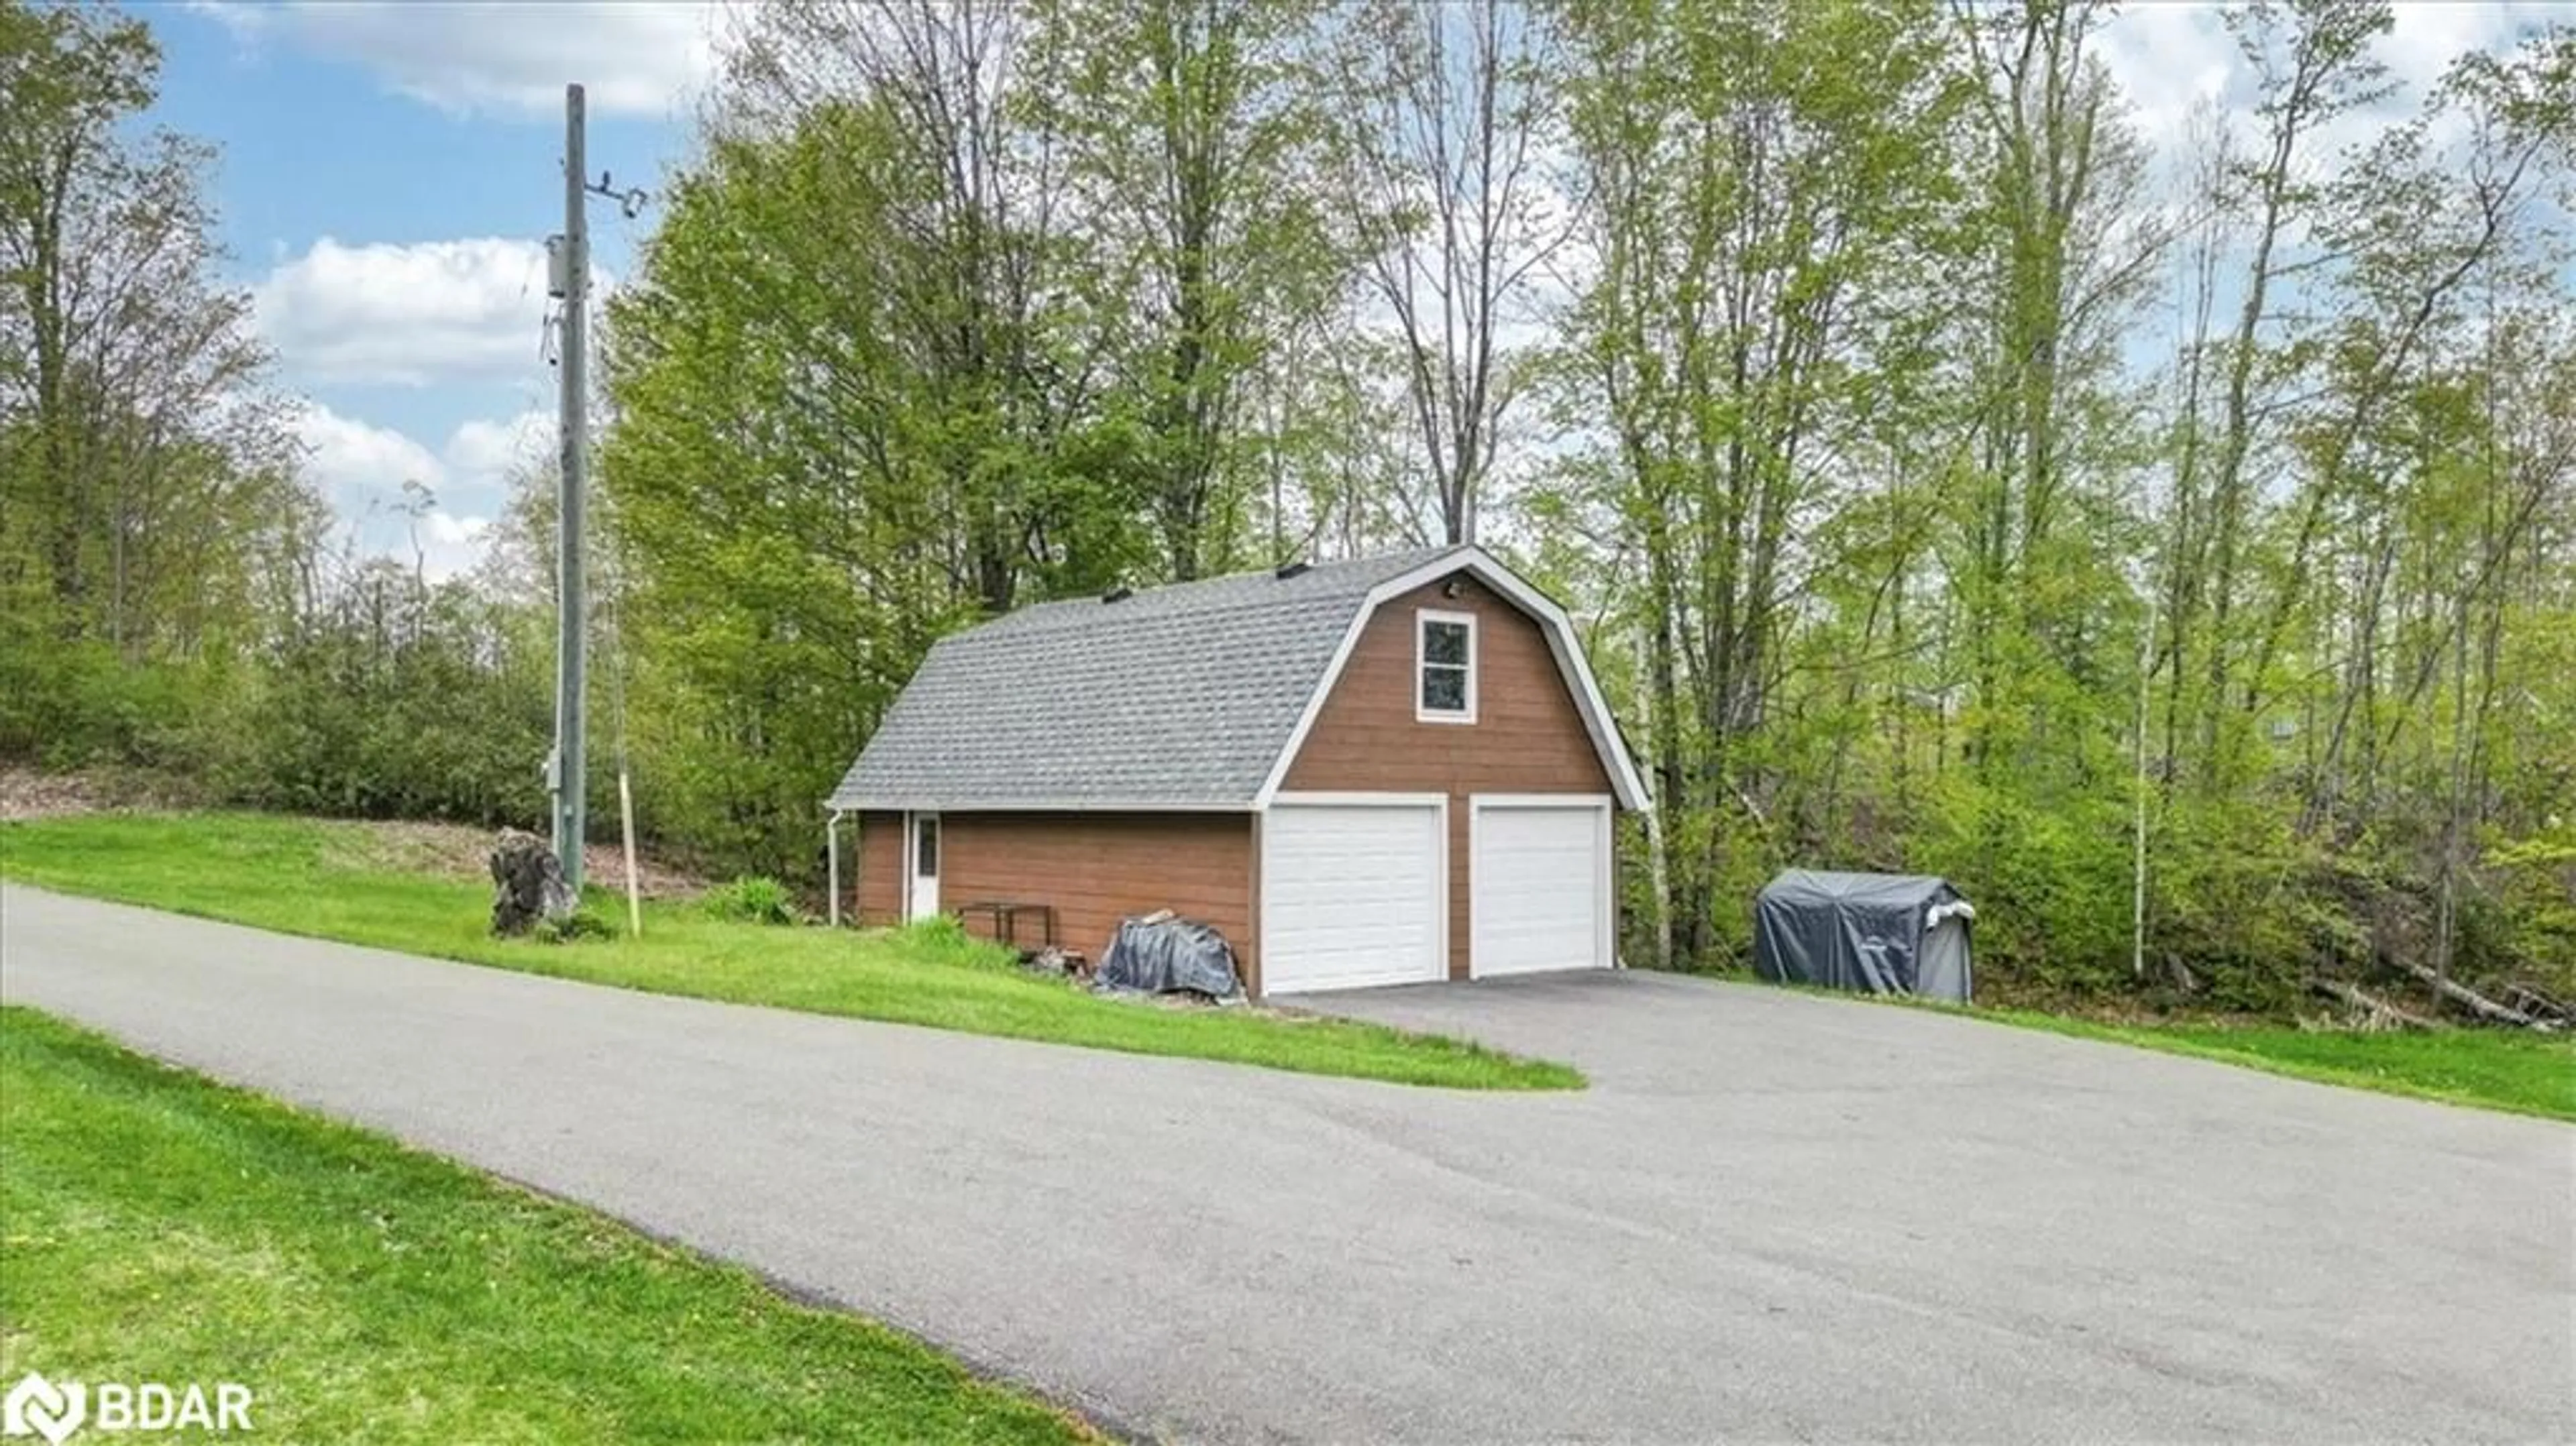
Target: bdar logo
<point>38,1407</point>
<point>56,1409</point>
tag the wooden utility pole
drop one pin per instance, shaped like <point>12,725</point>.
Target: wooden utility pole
<point>573,281</point>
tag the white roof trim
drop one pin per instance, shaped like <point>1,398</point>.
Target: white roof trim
<point>1625,782</point>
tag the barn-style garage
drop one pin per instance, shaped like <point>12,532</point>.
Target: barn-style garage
<point>1385,771</point>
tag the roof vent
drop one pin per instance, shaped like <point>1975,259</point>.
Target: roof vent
<point>1118,594</point>
<point>1287,570</point>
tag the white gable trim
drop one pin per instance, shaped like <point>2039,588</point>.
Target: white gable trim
<point>1625,781</point>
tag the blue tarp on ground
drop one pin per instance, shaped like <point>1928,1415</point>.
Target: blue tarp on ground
<point>1164,955</point>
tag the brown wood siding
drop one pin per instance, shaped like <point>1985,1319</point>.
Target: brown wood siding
<point>880,869</point>
<point>1528,736</point>
<point>1098,868</point>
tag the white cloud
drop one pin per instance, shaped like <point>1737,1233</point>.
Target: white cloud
<point>408,314</point>
<point>446,545</point>
<point>641,59</point>
<point>451,532</point>
<point>482,455</point>
<point>2168,60</point>
<point>356,463</point>
<point>2428,37</point>
<point>2171,59</point>
<point>446,528</point>
<point>361,468</point>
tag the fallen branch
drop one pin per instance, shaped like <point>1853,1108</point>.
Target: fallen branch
<point>2467,998</point>
<point>2547,1011</point>
<point>2362,999</point>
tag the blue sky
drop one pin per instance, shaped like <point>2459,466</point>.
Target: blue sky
<point>388,177</point>
<point>390,172</point>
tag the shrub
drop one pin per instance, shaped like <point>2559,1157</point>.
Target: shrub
<point>577,925</point>
<point>936,932</point>
<point>942,939</point>
<point>752,899</point>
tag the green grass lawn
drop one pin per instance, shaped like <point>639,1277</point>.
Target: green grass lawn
<point>310,877</point>
<point>2531,1074</point>
<point>157,1227</point>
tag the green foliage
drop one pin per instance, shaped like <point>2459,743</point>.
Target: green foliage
<point>132,1185</point>
<point>572,928</point>
<point>164,600</point>
<point>2052,885</point>
<point>1191,153</point>
<point>1033,356</point>
<point>2532,913</point>
<point>752,900</point>
<point>146,486</point>
<point>391,700</point>
<point>401,702</point>
<point>1833,194</point>
<point>1963,588</point>
<point>779,598</point>
<point>74,703</point>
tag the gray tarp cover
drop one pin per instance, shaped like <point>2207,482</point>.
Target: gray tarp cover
<point>1860,931</point>
<point>1159,956</point>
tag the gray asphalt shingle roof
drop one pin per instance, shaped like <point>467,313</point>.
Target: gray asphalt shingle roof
<point>1173,697</point>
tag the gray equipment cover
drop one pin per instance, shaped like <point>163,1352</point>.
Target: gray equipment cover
<point>1878,933</point>
<point>1166,955</point>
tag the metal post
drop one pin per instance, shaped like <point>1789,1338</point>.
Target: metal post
<point>569,777</point>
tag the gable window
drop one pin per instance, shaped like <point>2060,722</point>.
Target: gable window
<point>1444,667</point>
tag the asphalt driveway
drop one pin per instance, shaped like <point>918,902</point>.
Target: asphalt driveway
<point>1773,1217</point>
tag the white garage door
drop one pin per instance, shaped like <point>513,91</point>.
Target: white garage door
<point>1540,886</point>
<point>1352,895</point>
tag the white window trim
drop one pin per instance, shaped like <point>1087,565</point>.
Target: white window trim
<point>1423,618</point>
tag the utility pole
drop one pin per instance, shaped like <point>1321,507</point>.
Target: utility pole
<point>573,260</point>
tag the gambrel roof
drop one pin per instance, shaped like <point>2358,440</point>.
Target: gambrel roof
<point>1193,696</point>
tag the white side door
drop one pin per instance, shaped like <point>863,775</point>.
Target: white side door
<point>1539,883</point>
<point>921,866</point>
<point>1354,891</point>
